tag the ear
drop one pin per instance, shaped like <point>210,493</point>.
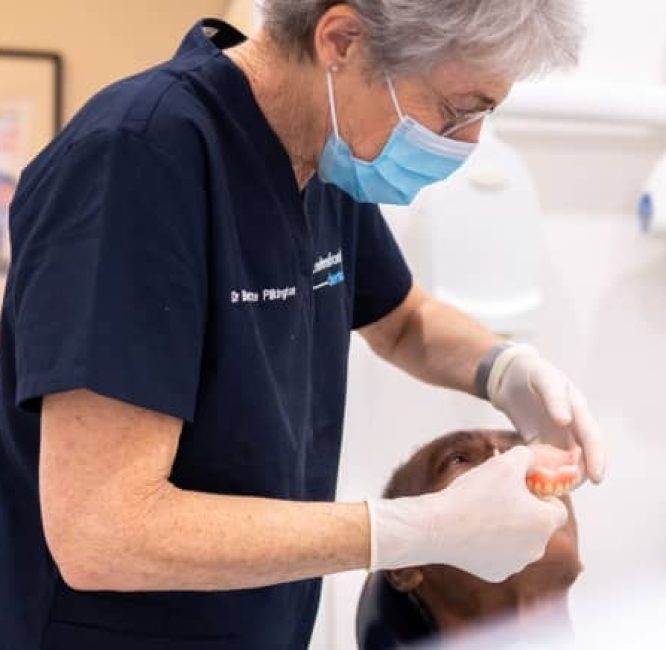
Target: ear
<point>405,580</point>
<point>337,38</point>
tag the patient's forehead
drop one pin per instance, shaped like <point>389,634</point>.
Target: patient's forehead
<point>481,441</point>
<point>417,474</point>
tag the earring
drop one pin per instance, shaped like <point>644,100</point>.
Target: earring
<point>335,68</point>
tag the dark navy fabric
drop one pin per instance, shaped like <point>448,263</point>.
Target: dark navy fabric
<point>164,256</point>
<point>387,619</point>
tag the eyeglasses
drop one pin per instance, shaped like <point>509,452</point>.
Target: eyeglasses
<point>461,119</point>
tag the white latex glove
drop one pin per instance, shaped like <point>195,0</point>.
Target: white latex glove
<point>543,404</point>
<point>486,522</point>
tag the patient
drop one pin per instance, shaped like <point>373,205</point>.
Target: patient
<point>398,608</point>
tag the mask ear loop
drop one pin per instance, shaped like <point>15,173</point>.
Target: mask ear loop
<point>394,97</point>
<point>331,100</point>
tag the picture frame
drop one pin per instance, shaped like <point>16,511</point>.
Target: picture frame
<point>31,98</point>
<point>31,115</point>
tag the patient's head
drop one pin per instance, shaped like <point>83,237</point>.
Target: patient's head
<point>455,599</point>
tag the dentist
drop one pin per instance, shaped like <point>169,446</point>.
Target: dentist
<point>190,257</point>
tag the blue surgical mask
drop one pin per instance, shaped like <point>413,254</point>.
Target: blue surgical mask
<point>413,158</point>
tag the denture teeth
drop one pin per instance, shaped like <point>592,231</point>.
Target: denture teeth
<point>545,481</point>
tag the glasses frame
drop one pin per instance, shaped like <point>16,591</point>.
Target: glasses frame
<point>462,119</point>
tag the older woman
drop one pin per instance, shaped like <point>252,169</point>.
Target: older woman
<point>189,258</point>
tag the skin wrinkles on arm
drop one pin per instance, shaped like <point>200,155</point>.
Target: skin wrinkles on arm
<point>114,522</point>
<point>432,341</point>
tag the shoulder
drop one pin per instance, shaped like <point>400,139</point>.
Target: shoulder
<point>160,106</point>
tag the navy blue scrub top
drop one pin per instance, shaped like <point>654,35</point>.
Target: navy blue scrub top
<point>164,256</point>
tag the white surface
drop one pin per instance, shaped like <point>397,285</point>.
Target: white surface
<point>626,42</point>
<point>656,191</point>
<point>585,167</point>
<point>477,237</point>
<point>588,101</point>
<point>604,322</point>
<point>633,619</point>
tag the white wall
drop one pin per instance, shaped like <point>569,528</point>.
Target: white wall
<point>587,165</point>
<point>626,41</point>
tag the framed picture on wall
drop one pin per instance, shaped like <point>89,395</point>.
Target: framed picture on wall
<point>31,114</point>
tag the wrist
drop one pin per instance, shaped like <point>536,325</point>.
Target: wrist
<point>394,531</point>
<point>493,366</point>
<point>482,376</point>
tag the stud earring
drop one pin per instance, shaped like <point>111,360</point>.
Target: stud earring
<point>335,68</point>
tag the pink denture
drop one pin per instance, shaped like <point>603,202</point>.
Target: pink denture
<point>555,471</point>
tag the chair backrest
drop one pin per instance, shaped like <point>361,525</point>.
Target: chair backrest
<point>388,619</point>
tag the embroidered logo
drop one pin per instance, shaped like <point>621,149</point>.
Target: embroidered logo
<point>331,264</point>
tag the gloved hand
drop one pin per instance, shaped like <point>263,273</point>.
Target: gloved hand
<point>543,404</point>
<point>486,522</point>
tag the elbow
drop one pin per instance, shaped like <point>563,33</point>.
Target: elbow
<point>88,557</point>
<point>82,569</point>
<point>81,577</point>
<point>104,547</point>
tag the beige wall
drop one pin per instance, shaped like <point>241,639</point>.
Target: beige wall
<point>104,40</point>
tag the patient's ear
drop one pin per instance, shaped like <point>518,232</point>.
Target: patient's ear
<point>405,580</point>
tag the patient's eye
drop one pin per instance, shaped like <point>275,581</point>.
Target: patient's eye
<point>450,461</point>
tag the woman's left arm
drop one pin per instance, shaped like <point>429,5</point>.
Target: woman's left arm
<point>440,345</point>
<point>432,341</point>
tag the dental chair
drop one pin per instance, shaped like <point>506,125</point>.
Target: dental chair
<point>387,619</point>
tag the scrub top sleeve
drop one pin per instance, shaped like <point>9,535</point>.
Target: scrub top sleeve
<point>382,277</point>
<point>111,278</point>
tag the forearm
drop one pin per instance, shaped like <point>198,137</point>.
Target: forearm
<point>442,346</point>
<point>189,541</point>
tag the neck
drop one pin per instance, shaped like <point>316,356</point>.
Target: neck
<point>522,610</point>
<point>289,93</point>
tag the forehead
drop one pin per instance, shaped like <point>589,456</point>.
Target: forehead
<point>417,474</point>
<point>476,439</point>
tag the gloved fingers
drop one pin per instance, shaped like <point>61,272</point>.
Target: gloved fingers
<point>516,460</point>
<point>554,512</point>
<point>589,436</point>
<point>553,389</point>
<point>553,457</point>
<point>552,515</point>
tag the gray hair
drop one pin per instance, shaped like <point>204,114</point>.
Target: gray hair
<point>517,38</point>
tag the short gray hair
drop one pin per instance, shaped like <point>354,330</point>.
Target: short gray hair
<point>517,38</point>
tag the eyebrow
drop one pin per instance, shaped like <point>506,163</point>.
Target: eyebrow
<point>483,102</point>
<point>452,441</point>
